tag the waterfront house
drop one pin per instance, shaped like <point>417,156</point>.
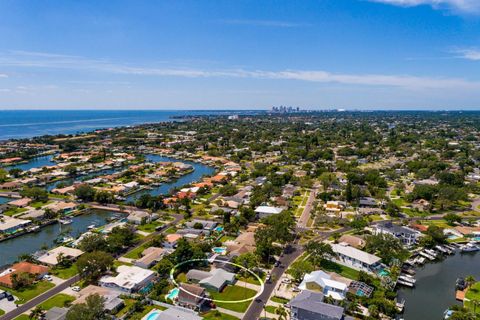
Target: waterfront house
<point>51,257</point>
<point>61,207</point>
<point>128,279</point>
<point>36,270</point>
<point>191,296</point>
<point>407,236</point>
<point>323,282</point>
<point>308,305</point>
<point>354,258</point>
<point>9,225</point>
<point>20,203</point>
<point>34,214</point>
<point>334,206</point>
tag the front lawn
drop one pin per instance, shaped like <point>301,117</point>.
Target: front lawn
<point>472,295</point>
<point>340,269</point>
<point>149,227</point>
<point>233,293</point>
<point>60,300</point>
<point>137,252</point>
<point>22,317</point>
<point>26,294</point>
<point>65,273</point>
<point>217,315</point>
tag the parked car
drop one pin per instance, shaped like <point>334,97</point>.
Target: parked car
<point>76,288</point>
<point>9,296</point>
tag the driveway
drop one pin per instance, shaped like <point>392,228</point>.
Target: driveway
<point>8,306</point>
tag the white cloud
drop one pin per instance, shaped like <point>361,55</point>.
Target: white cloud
<point>2,75</point>
<point>54,61</point>
<point>469,54</point>
<point>464,6</point>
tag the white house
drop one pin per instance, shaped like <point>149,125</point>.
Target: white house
<point>129,279</point>
<point>356,259</point>
<point>265,211</point>
<point>323,282</point>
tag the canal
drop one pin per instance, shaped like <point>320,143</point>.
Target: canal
<point>32,242</point>
<point>38,162</point>
<point>434,291</point>
<point>199,171</point>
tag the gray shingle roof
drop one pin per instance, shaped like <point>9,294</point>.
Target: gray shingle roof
<point>312,302</point>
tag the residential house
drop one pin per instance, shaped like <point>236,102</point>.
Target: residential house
<point>112,302</point>
<point>323,282</point>
<point>308,305</point>
<point>128,279</point>
<point>9,225</point>
<point>21,267</point>
<point>191,296</point>
<point>353,241</point>
<point>265,211</point>
<point>51,257</point>
<point>356,259</point>
<point>150,256</point>
<point>406,235</point>
<point>216,279</point>
<point>172,313</point>
<point>56,313</point>
<point>20,203</point>
<point>171,240</point>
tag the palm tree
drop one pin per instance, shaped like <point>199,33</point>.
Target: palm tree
<point>281,312</point>
<point>470,280</point>
<point>36,313</point>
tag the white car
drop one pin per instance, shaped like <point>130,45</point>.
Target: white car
<point>48,277</point>
<point>76,288</point>
<point>286,281</point>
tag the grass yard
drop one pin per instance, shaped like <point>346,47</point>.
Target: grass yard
<point>60,300</point>
<point>149,227</point>
<point>473,295</point>
<point>137,252</point>
<point>2,312</point>
<point>22,317</point>
<point>31,292</point>
<point>279,300</point>
<point>341,270</point>
<point>140,315</point>
<point>217,315</point>
<point>39,204</point>
<point>251,279</point>
<point>270,309</point>
<point>128,304</point>
<point>65,273</point>
<point>233,293</point>
<point>13,211</point>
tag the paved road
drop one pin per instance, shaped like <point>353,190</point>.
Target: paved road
<point>256,307</point>
<point>36,301</point>
<point>303,220</point>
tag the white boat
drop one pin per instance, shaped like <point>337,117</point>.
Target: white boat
<point>470,247</point>
<point>405,283</point>
<point>65,221</point>
<point>431,252</point>
<point>407,279</point>
<point>90,227</point>
<point>426,255</point>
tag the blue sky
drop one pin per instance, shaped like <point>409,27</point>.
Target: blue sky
<point>371,54</point>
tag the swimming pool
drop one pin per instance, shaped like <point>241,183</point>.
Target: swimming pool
<point>152,315</point>
<point>220,250</point>
<point>218,229</point>
<point>172,294</point>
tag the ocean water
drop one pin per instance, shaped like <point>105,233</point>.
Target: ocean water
<point>15,124</point>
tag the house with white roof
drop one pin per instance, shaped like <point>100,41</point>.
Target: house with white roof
<point>356,259</point>
<point>12,225</point>
<point>323,282</point>
<point>129,279</point>
<point>265,211</point>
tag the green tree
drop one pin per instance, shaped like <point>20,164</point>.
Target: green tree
<point>318,251</point>
<point>85,192</point>
<point>92,309</point>
<point>93,242</point>
<point>92,265</point>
